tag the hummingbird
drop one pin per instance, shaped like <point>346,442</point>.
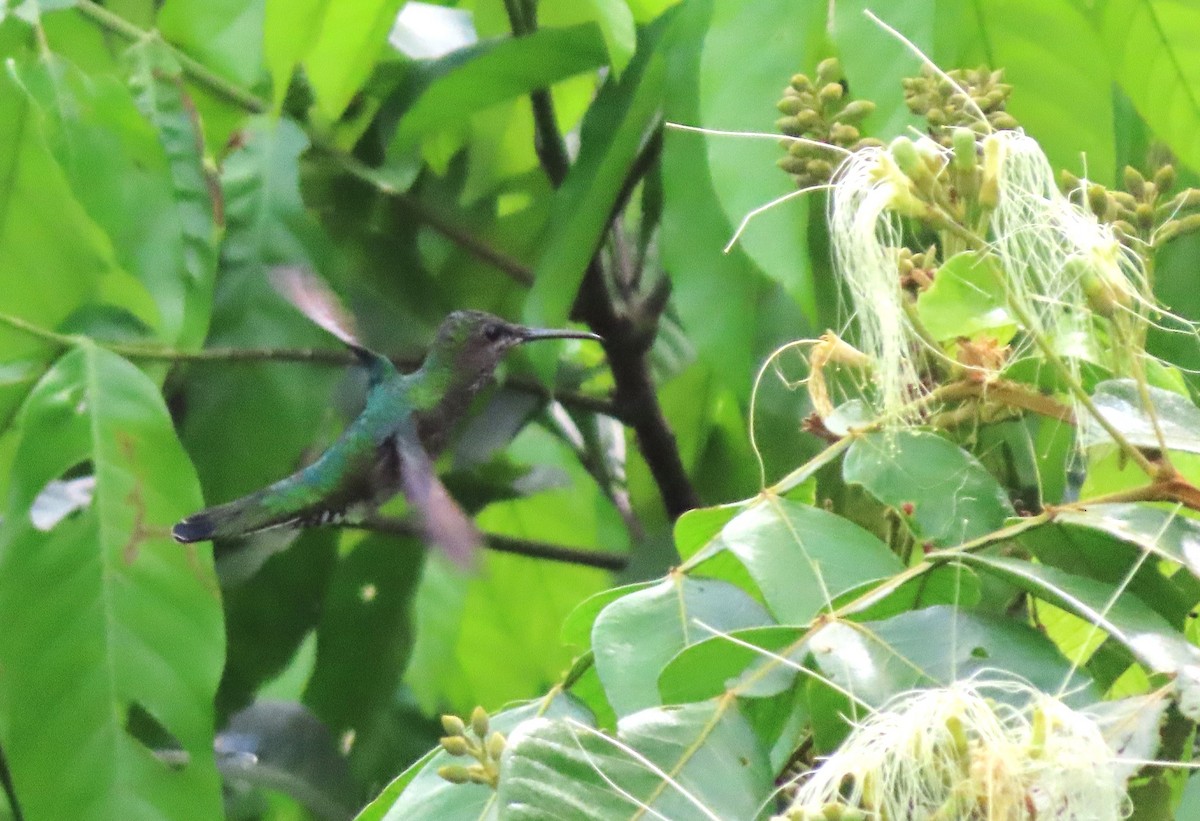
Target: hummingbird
<point>390,446</point>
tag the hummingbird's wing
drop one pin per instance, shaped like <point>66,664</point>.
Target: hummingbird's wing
<point>444,522</point>
<point>316,300</point>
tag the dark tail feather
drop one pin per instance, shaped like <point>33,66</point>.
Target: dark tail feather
<point>240,517</point>
<point>197,528</point>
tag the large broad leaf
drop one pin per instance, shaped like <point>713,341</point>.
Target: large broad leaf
<point>156,208</point>
<point>635,636</point>
<point>1119,614</point>
<point>420,793</point>
<point>804,558</point>
<point>1060,95</point>
<point>1120,403</point>
<point>693,761</point>
<point>1156,64</point>
<point>1110,543</point>
<point>874,661</point>
<point>941,489</point>
<point>120,628</point>
<point>38,209</point>
<point>743,171</point>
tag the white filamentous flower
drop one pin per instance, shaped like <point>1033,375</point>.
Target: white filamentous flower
<point>1061,263</point>
<point>955,752</point>
<point>870,194</point>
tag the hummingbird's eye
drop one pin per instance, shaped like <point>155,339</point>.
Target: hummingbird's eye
<point>492,332</point>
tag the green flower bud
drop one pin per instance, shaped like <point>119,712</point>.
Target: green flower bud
<point>790,105</point>
<point>831,92</point>
<point>495,746</point>
<point>800,82</point>
<point>1145,216</point>
<point>453,725</point>
<point>989,186</point>
<point>829,70</point>
<point>819,169</point>
<point>789,126</point>
<point>479,722</point>
<point>905,154</point>
<point>1068,181</point>
<point>843,134</point>
<point>1135,183</point>
<point>1097,197</point>
<point>1003,121</point>
<point>963,142</point>
<point>832,811</point>
<point>856,111</point>
<point>454,773</point>
<point>936,117</point>
<point>1164,178</point>
<point>792,165</point>
<point>478,774</point>
<point>868,142</point>
<point>455,744</point>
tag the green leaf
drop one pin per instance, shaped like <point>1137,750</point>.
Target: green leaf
<point>115,618</point>
<point>225,35</point>
<point>1110,543</point>
<point>616,127</point>
<point>1149,45</point>
<point>194,230</point>
<point>875,61</point>
<point>612,16</point>
<point>713,292</point>
<point>635,636</point>
<point>873,661</point>
<point>692,761</point>
<point>1119,401</point>
<point>289,29</point>
<point>1124,617</point>
<point>721,664</point>
<point>1166,533</point>
<point>37,209</point>
<point>1061,96</point>
<point>491,74</point>
<point>365,636</point>
<point>742,170</point>
<point>419,792</point>
<point>952,497</point>
<point>966,299</point>
<point>803,558</point>
<point>347,46</point>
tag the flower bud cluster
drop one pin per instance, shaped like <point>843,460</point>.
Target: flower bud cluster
<point>1141,212</point>
<point>484,746</point>
<point>946,104</point>
<point>816,109</point>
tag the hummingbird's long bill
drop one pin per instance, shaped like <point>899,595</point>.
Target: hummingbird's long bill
<point>534,334</point>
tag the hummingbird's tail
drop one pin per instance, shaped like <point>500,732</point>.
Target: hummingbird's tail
<point>240,517</point>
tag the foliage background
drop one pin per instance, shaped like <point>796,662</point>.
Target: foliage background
<point>155,160</point>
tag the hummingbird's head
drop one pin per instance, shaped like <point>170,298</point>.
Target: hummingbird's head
<point>472,343</point>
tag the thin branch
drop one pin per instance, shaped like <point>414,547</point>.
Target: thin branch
<point>629,334</point>
<point>199,72</point>
<point>315,356</point>
<point>509,544</point>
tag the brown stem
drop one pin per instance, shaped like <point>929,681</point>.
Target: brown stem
<point>509,544</point>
